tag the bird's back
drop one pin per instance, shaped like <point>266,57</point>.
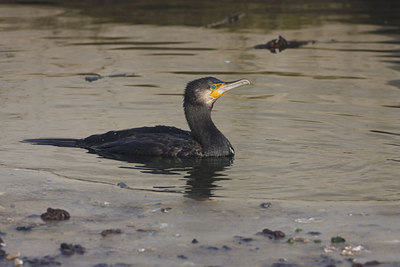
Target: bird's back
<point>161,141</point>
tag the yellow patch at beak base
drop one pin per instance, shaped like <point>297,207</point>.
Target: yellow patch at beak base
<point>214,90</point>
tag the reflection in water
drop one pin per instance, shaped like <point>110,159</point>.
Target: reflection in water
<point>202,173</point>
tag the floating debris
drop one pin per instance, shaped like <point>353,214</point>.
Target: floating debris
<point>272,234</point>
<point>183,257</point>
<point>265,205</point>
<point>309,220</point>
<point>165,210</point>
<point>329,249</point>
<point>70,249</point>
<point>45,261</point>
<point>122,185</point>
<point>110,232</point>
<point>98,77</point>
<point>338,239</point>
<point>55,215</point>
<point>101,203</point>
<point>314,233</point>
<point>242,239</point>
<point>297,239</point>
<point>281,44</point>
<point>350,250</point>
<point>24,228</point>
<point>141,250</point>
<point>151,231</point>
<point>229,20</point>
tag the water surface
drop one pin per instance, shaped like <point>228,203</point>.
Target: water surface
<point>317,129</point>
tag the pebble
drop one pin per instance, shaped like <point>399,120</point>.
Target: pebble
<point>18,262</point>
<point>265,205</point>
<point>111,232</point>
<point>122,185</point>
<point>55,215</point>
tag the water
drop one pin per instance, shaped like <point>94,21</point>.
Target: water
<point>316,133</point>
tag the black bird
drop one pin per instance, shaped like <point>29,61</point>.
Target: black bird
<point>204,139</point>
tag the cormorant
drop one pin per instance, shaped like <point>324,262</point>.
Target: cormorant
<point>203,140</point>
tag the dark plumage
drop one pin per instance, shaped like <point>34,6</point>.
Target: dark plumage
<point>204,139</point>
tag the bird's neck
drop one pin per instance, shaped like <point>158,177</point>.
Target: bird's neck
<point>204,131</point>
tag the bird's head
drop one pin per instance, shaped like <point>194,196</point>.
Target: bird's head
<point>206,91</point>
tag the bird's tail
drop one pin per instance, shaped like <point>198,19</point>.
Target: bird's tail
<point>63,142</point>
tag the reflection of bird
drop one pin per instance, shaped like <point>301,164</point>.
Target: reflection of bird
<point>204,139</point>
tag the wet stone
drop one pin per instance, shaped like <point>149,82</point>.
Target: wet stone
<point>265,205</point>
<point>122,185</point>
<point>111,232</point>
<point>165,210</point>
<point>45,261</point>
<point>338,239</point>
<point>55,215</point>
<point>314,233</point>
<point>272,234</point>
<point>70,249</point>
<point>24,228</point>
<point>183,257</point>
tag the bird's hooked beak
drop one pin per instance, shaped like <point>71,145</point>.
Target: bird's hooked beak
<point>219,89</point>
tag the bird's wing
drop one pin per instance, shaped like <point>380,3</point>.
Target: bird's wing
<point>151,144</point>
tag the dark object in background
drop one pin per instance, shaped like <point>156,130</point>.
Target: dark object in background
<point>107,232</point>
<point>55,215</point>
<point>229,20</point>
<point>272,234</point>
<point>281,44</point>
<point>70,249</point>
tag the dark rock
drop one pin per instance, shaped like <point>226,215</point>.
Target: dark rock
<point>165,210</point>
<point>314,233</point>
<point>273,234</point>
<point>24,228</point>
<point>122,185</point>
<point>281,44</point>
<point>183,257</point>
<point>194,241</point>
<point>55,215</point>
<point>338,239</point>
<point>45,261</point>
<point>265,205</point>
<point>111,232</point>
<point>70,249</point>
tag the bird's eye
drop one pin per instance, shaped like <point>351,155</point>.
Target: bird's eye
<point>213,87</point>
